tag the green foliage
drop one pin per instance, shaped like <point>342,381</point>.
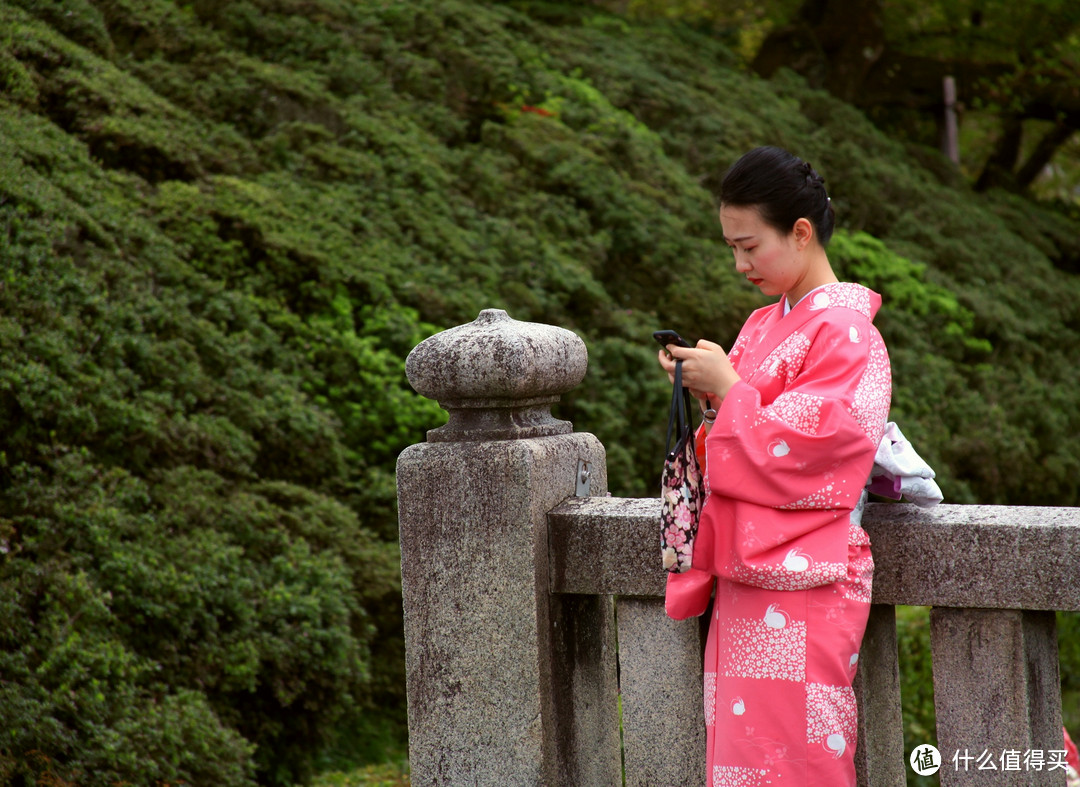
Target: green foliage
<point>369,776</point>
<point>87,701</point>
<point>916,684</point>
<point>1068,631</point>
<point>132,594</point>
<point>223,226</point>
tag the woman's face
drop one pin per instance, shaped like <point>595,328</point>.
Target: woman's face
<point>769,259</point>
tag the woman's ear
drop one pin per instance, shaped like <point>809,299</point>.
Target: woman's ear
<point>804,233</point>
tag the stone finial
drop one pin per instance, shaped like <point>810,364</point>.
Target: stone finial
<point>498,377</point>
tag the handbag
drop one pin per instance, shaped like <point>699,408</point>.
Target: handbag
<point>682,492</point>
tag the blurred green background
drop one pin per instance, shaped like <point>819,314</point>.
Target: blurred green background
<point>223,226</point>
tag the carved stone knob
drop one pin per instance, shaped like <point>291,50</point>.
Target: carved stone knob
<point>498,377</point>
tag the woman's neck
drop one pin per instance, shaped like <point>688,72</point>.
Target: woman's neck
<point>818,273</point>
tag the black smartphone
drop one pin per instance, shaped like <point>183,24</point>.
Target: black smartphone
<point>670,337</point>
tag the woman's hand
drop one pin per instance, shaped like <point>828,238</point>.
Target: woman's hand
<point>706,369</point>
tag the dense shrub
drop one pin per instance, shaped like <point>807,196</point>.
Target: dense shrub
<point>224,225</point>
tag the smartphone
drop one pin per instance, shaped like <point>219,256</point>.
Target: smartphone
<point>670,337</point>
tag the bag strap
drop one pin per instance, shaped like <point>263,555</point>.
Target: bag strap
<point>679,417</point>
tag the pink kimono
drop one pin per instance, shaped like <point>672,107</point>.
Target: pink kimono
<point>785,464</point>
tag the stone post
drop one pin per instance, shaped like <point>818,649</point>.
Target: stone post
<point>997,694</point>
<point>488,648</point>
<point>879,755</point>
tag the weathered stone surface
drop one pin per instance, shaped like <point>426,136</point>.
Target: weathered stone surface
<point>879,754</point>
<point>998,557</point>
<point>507,684</point>
<point>474,554</point>
<point>607,545</point>
<point>660,669</point>
<point>585,680</point>
<point>994,668</point>
<point>498,377</point>
<point>996,689</point>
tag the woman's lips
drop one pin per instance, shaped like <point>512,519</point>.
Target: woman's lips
<point>755,282</point>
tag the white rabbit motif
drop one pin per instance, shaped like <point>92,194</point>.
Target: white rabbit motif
<point>796,561</point>
<point>836,744</point>
<point>779,448</point>
<point>738,707</point>
<point>775,617</point>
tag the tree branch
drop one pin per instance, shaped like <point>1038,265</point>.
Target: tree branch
<point>1043,153</point>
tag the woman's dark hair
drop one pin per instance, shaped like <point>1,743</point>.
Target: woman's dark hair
<point>783,188</point>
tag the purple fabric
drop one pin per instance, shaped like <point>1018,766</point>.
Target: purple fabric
<point>885,486</point>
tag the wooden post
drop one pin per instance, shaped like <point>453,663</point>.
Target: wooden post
<point>951,142</point>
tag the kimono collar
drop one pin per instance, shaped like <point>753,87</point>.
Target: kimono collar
<point>823,303</point>
<point>787,303</point>
<point>838,294</point>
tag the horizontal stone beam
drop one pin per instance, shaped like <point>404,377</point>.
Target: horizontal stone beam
<point>606,546</point>
<point>995,557</point>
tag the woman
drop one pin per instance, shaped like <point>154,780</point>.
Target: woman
<point>793,414</point>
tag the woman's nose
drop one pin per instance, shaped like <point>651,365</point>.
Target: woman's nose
<point>741,265</point>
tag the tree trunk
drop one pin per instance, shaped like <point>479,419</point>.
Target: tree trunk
<point>998,171</point>
<point>832,44</point>
<point>1044,151</point>
<point>852,35</point>
<point>840,45</point>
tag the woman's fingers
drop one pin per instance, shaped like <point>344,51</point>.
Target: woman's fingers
<point>706,371</point>
<point>706,368</point>
<point>668,365</point>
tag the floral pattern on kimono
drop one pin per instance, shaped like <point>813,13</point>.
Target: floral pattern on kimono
<point>785,462</point>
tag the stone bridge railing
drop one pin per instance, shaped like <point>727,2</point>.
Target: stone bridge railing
<point>537,647</point>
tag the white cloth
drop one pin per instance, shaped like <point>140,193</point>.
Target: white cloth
<point>900,473</point>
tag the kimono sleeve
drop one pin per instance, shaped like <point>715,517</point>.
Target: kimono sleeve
<point>812,445</point>
<point>687,595</point>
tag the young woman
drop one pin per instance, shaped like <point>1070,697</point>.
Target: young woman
<point>793,414</point>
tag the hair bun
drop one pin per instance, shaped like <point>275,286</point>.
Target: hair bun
<point>812,176</point>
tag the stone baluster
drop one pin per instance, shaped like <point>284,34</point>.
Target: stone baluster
<point>506,682</point>
<point>997,695</point>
